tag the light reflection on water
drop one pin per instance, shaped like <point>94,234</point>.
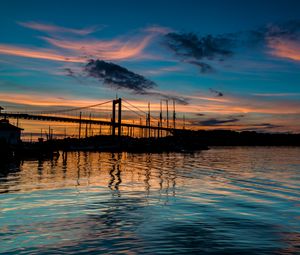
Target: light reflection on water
<point>221,201</point>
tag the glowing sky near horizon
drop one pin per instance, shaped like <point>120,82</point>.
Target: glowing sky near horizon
<point>45,46</point>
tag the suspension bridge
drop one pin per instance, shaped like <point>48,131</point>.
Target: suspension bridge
<point>107,118</point>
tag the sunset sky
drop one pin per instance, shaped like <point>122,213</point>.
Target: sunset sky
<point>227,64</point>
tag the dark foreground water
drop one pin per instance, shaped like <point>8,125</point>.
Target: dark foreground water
<point>221,201</point>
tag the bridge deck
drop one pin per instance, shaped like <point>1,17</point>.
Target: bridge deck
<point>77,120</point>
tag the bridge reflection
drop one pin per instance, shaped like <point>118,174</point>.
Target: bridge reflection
<point>119,172</point>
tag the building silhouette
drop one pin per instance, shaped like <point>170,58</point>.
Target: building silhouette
<point>9,133</point>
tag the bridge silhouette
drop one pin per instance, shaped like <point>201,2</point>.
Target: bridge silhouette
<point>86,116</point>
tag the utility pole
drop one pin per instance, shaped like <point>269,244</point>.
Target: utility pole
<point>141,129</point>
<point>160,120</point>
<point>145,131</point>
<point>167,104</point>
<point>158,130</point>
<point>90,125</point>
<point>132,130</point>
<point>49,133</point>
<point>149,123</point>
<point>79,129</point>
<point>120,117</point>
<point>174,115</point>
<point>86,130</point>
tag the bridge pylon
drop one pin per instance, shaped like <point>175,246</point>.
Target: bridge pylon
<point>118,124</point>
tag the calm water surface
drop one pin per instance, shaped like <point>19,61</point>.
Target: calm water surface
<point>221,201</point>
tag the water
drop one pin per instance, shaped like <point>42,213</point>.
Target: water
<point>221,201</point>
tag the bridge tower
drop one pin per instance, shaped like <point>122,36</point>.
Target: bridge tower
<point>114,124</point>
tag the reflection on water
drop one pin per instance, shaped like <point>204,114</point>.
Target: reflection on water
<point>221,201</point>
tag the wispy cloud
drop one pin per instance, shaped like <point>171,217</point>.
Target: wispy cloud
<point>73,49</point>
<point>163,70</point>
<point>242,104</point>
<point>47,54</point>
<point>115,49</point>
<point>284,48</point>
<point>130,46</point>
<point>50,28</point>
<point>42,100</point>
<point>276,94</point>
<point>203,97</point>
<point>158,29</point>
<point>216,122</point>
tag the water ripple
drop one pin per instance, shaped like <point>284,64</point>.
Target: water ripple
<point>222,201</point>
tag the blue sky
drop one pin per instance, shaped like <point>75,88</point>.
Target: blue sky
<point>245,76</point>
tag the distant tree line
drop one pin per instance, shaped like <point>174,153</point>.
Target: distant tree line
<point>234,138</point>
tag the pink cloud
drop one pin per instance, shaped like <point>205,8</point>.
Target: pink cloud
<point>159,29</point>
<point>284,48</point>
<point>116,49</point>
<point>58,29</point>
<point>79,50</point>
<point>40,99</point>
<point>37,53</point>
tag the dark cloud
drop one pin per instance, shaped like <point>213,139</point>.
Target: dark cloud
<point>121,78</point>
<point>289,29</point>
<point>216,92</point>
<point>70,73</point>
<point>261,127</point>
<point>191,45</point>
<point>235,116</point>
<point>267,125</point>
<point>200,114</point>
<point>117,76</point>
<point>272,32</point>
<point>216,122</point>
<point>204,68</point>
<point>197,49</point>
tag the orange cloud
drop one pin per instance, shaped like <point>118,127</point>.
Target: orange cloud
<point>158,29</point>
<point>107,50</point>
<point>285,48</point>
<point>46,100</point>
<point>230,105</point>
<point>284,111</point>
<point>37,53</point>
<point>80,50</point>
<point>58,29</point>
